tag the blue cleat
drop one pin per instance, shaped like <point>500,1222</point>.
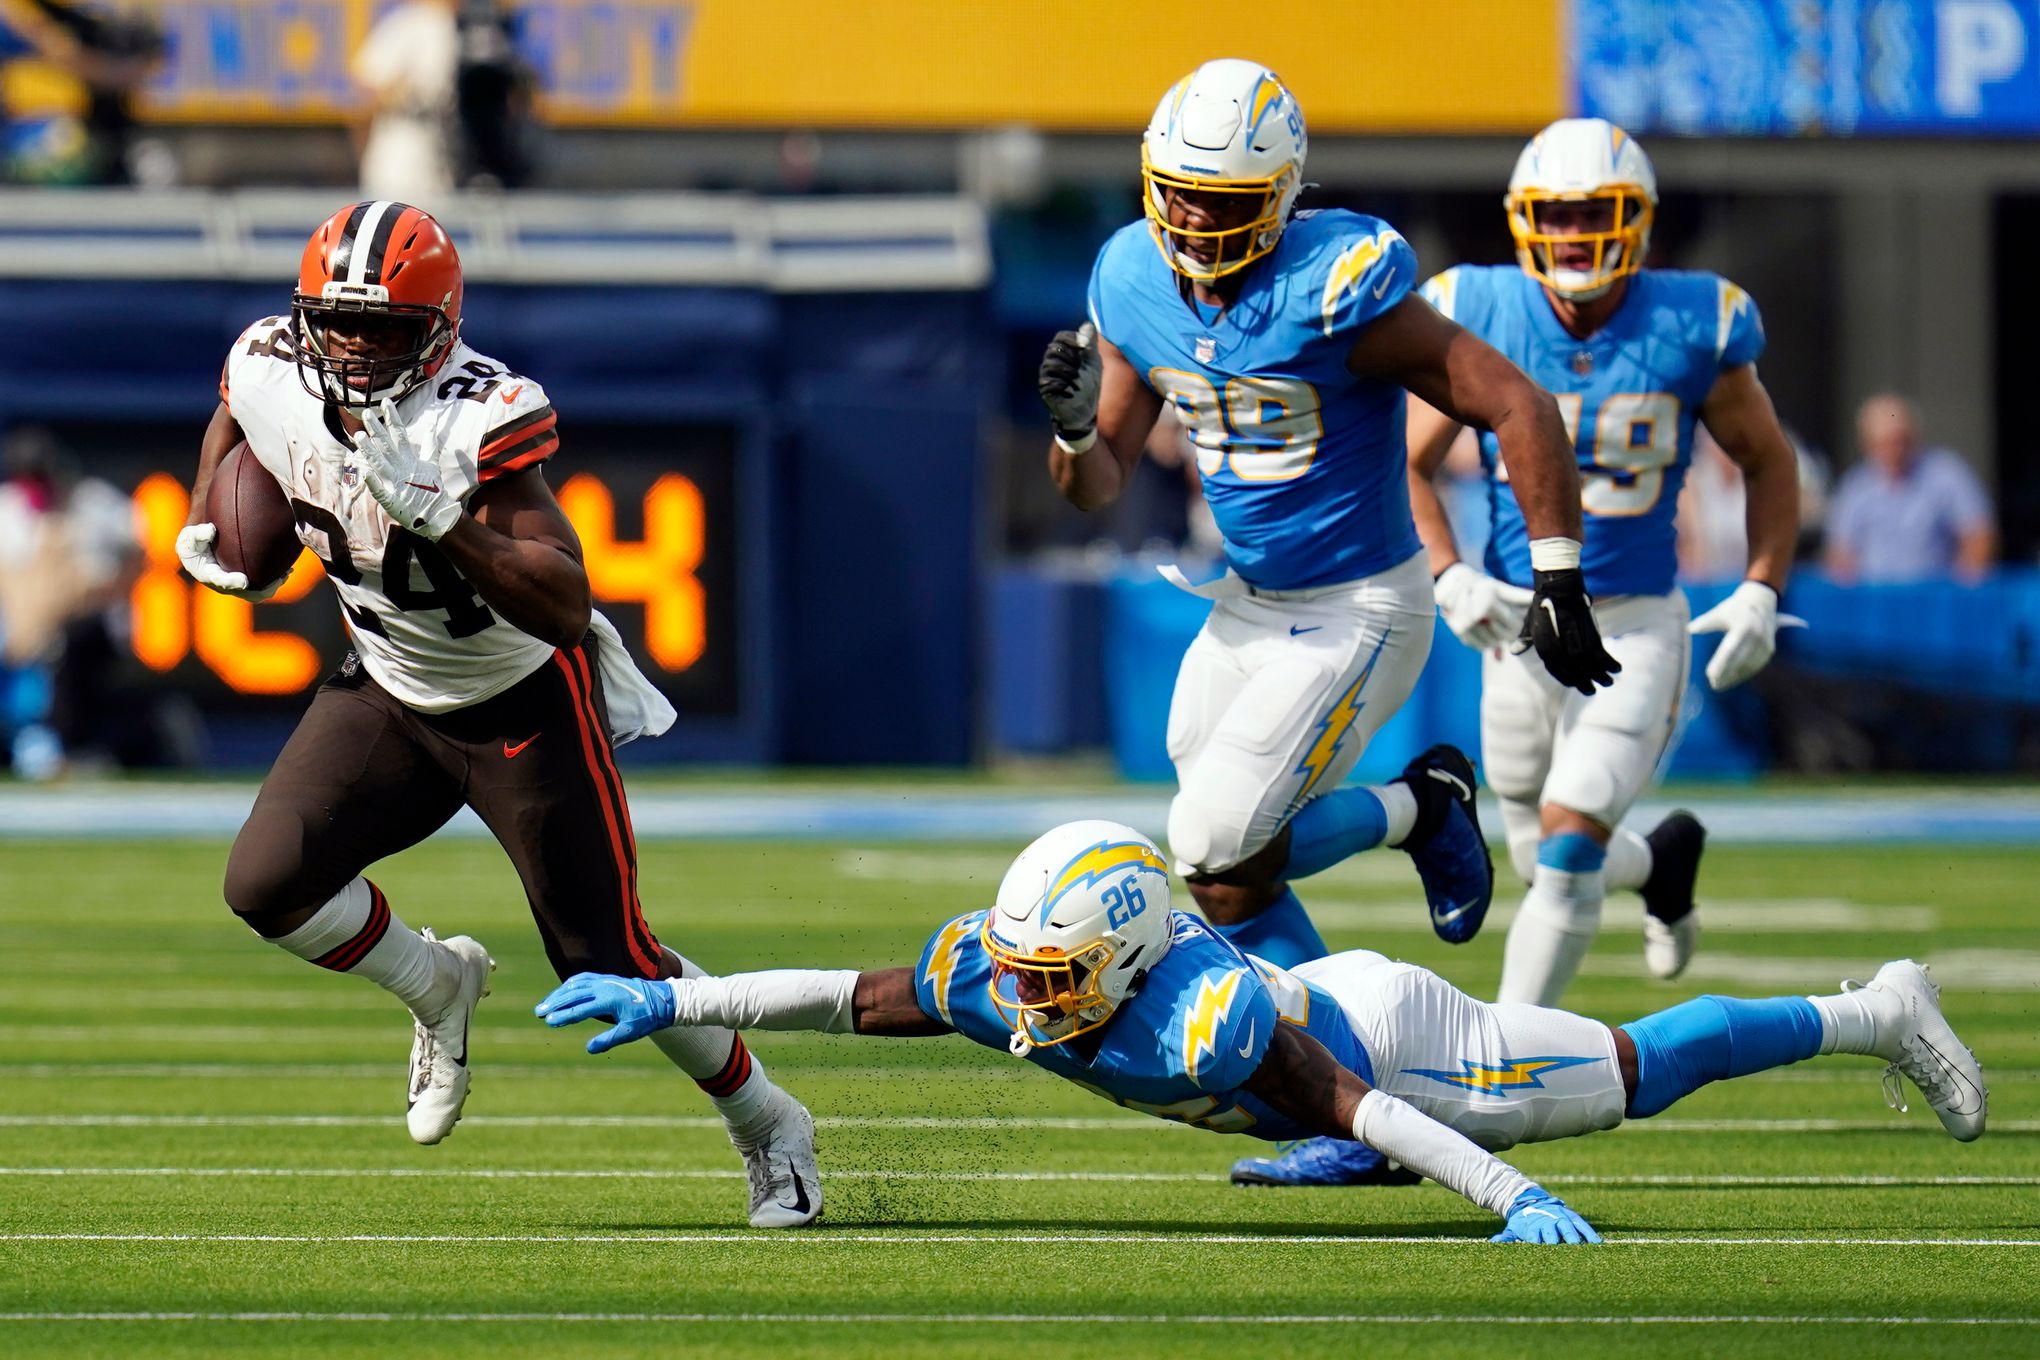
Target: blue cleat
<point>1322,1161</point>
<point>1450,853</point>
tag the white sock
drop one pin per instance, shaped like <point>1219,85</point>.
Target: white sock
<point>1629,861</point>
<point>1520,827</point>
<point>724,1067</point>
<point>1848,1021</point>
<point>356,932</point>
<point>1401,806</point>
<point>1552,932</point>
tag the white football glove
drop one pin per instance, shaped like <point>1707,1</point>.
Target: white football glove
<point>1750,619</point>
<point>195,551</point>
<point>1480,610</point>
<point>404,481</point>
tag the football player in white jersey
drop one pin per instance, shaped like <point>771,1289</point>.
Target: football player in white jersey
<point>1637,357</point>
<point>480,674</point>
<point>1285,342</point>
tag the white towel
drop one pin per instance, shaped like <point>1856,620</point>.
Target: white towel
<point>636,707</point>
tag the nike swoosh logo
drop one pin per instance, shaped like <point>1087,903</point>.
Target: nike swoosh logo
<point>1446,918</point>
<point>1459,787</point>
<point>635,995</point>
<point>1247,1048</point>
<point>1955,1078</point>
<point>1382,289</point>
<point>422,487</point>
<point>1294,631</point>
<point>510,394</point>
<point>512,752</point>
<point>800,1199</point>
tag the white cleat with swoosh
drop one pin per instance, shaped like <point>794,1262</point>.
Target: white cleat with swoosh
<point>1918,1041</point>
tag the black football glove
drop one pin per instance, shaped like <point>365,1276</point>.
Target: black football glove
<point>1070,373</point>
<point>1560,625</point>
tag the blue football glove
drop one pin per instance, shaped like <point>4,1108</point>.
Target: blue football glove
<point>1540,1216</point>
<point>634,1006</point>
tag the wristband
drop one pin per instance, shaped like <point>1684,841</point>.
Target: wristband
<point>1081,444</point>
<point>1554,554</point>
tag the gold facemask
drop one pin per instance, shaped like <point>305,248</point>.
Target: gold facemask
<point>1618,251</point>
<point>1069,1002</point>
<point>1253,239</point>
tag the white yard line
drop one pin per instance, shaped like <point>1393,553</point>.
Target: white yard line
<point>882,1174</point>
<point>1038,1319</point>
<point>861,1237</point>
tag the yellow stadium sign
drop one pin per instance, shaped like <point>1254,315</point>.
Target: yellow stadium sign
<point>1356,65</point>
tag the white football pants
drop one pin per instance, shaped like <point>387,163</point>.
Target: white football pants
<point>1544,743</point>
<point>1277,698</point>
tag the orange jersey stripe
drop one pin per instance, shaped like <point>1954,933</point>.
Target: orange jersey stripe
<point>590,739</point>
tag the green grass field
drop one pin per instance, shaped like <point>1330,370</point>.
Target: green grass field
<point>202,1149</point>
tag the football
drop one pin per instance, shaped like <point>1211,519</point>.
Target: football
<point>257,528</point>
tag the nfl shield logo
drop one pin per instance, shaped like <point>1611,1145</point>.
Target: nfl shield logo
<point>350,475</point>
<point>1206,349</point>
<point>1583,362</point>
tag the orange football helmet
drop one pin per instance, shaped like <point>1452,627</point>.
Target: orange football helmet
<point>377,309</point>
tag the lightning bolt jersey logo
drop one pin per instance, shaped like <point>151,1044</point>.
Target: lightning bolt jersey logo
<point>1517,1074</point>
<point>1206,1014</point>
<point>1094,864</point>
<point>943,958</point>
<point>1332,728</point>
<point>1351,269</point>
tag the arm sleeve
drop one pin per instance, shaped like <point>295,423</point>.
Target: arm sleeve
<point>523,437</point>
<point>1369,276</point>
<point>1399,1130</point>
<point>783,998</point>
<point>1738,326</point>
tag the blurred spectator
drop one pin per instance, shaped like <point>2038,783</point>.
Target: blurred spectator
<point>493,87</point>
<point>1907,513</point>
<point>69,554</point>
<point>406,72</point>
<point>1714,543</point>
<point>111,55</point>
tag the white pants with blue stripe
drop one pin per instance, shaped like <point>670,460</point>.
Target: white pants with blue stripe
<point>1497,1072</point>
<point>1277,698</point>
<point>1543,743</point>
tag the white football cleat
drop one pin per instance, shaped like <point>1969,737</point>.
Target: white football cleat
<point>786,1184</point>
<point>1667,949</point>
<point>439,1047</point>
<point>1918,1041</point>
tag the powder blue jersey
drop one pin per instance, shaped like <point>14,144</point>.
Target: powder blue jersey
<point>1179,1048</point>
<point>1630,394</point>
<point>1302,461</point>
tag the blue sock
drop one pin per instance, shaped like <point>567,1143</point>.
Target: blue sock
<point>1571,852</point>
<point>1712,1037</point>
<point>1329,828</point>
<point>1283,934</point>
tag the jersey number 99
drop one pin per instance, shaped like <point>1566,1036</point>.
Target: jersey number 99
<point>1264,429</point>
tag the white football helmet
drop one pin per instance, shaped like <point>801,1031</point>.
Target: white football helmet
<point>1081,917</point>
<point>1587,161</point>
<point>1229,127</point>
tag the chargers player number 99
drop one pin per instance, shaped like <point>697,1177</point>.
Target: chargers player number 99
<point>1264,429</point>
